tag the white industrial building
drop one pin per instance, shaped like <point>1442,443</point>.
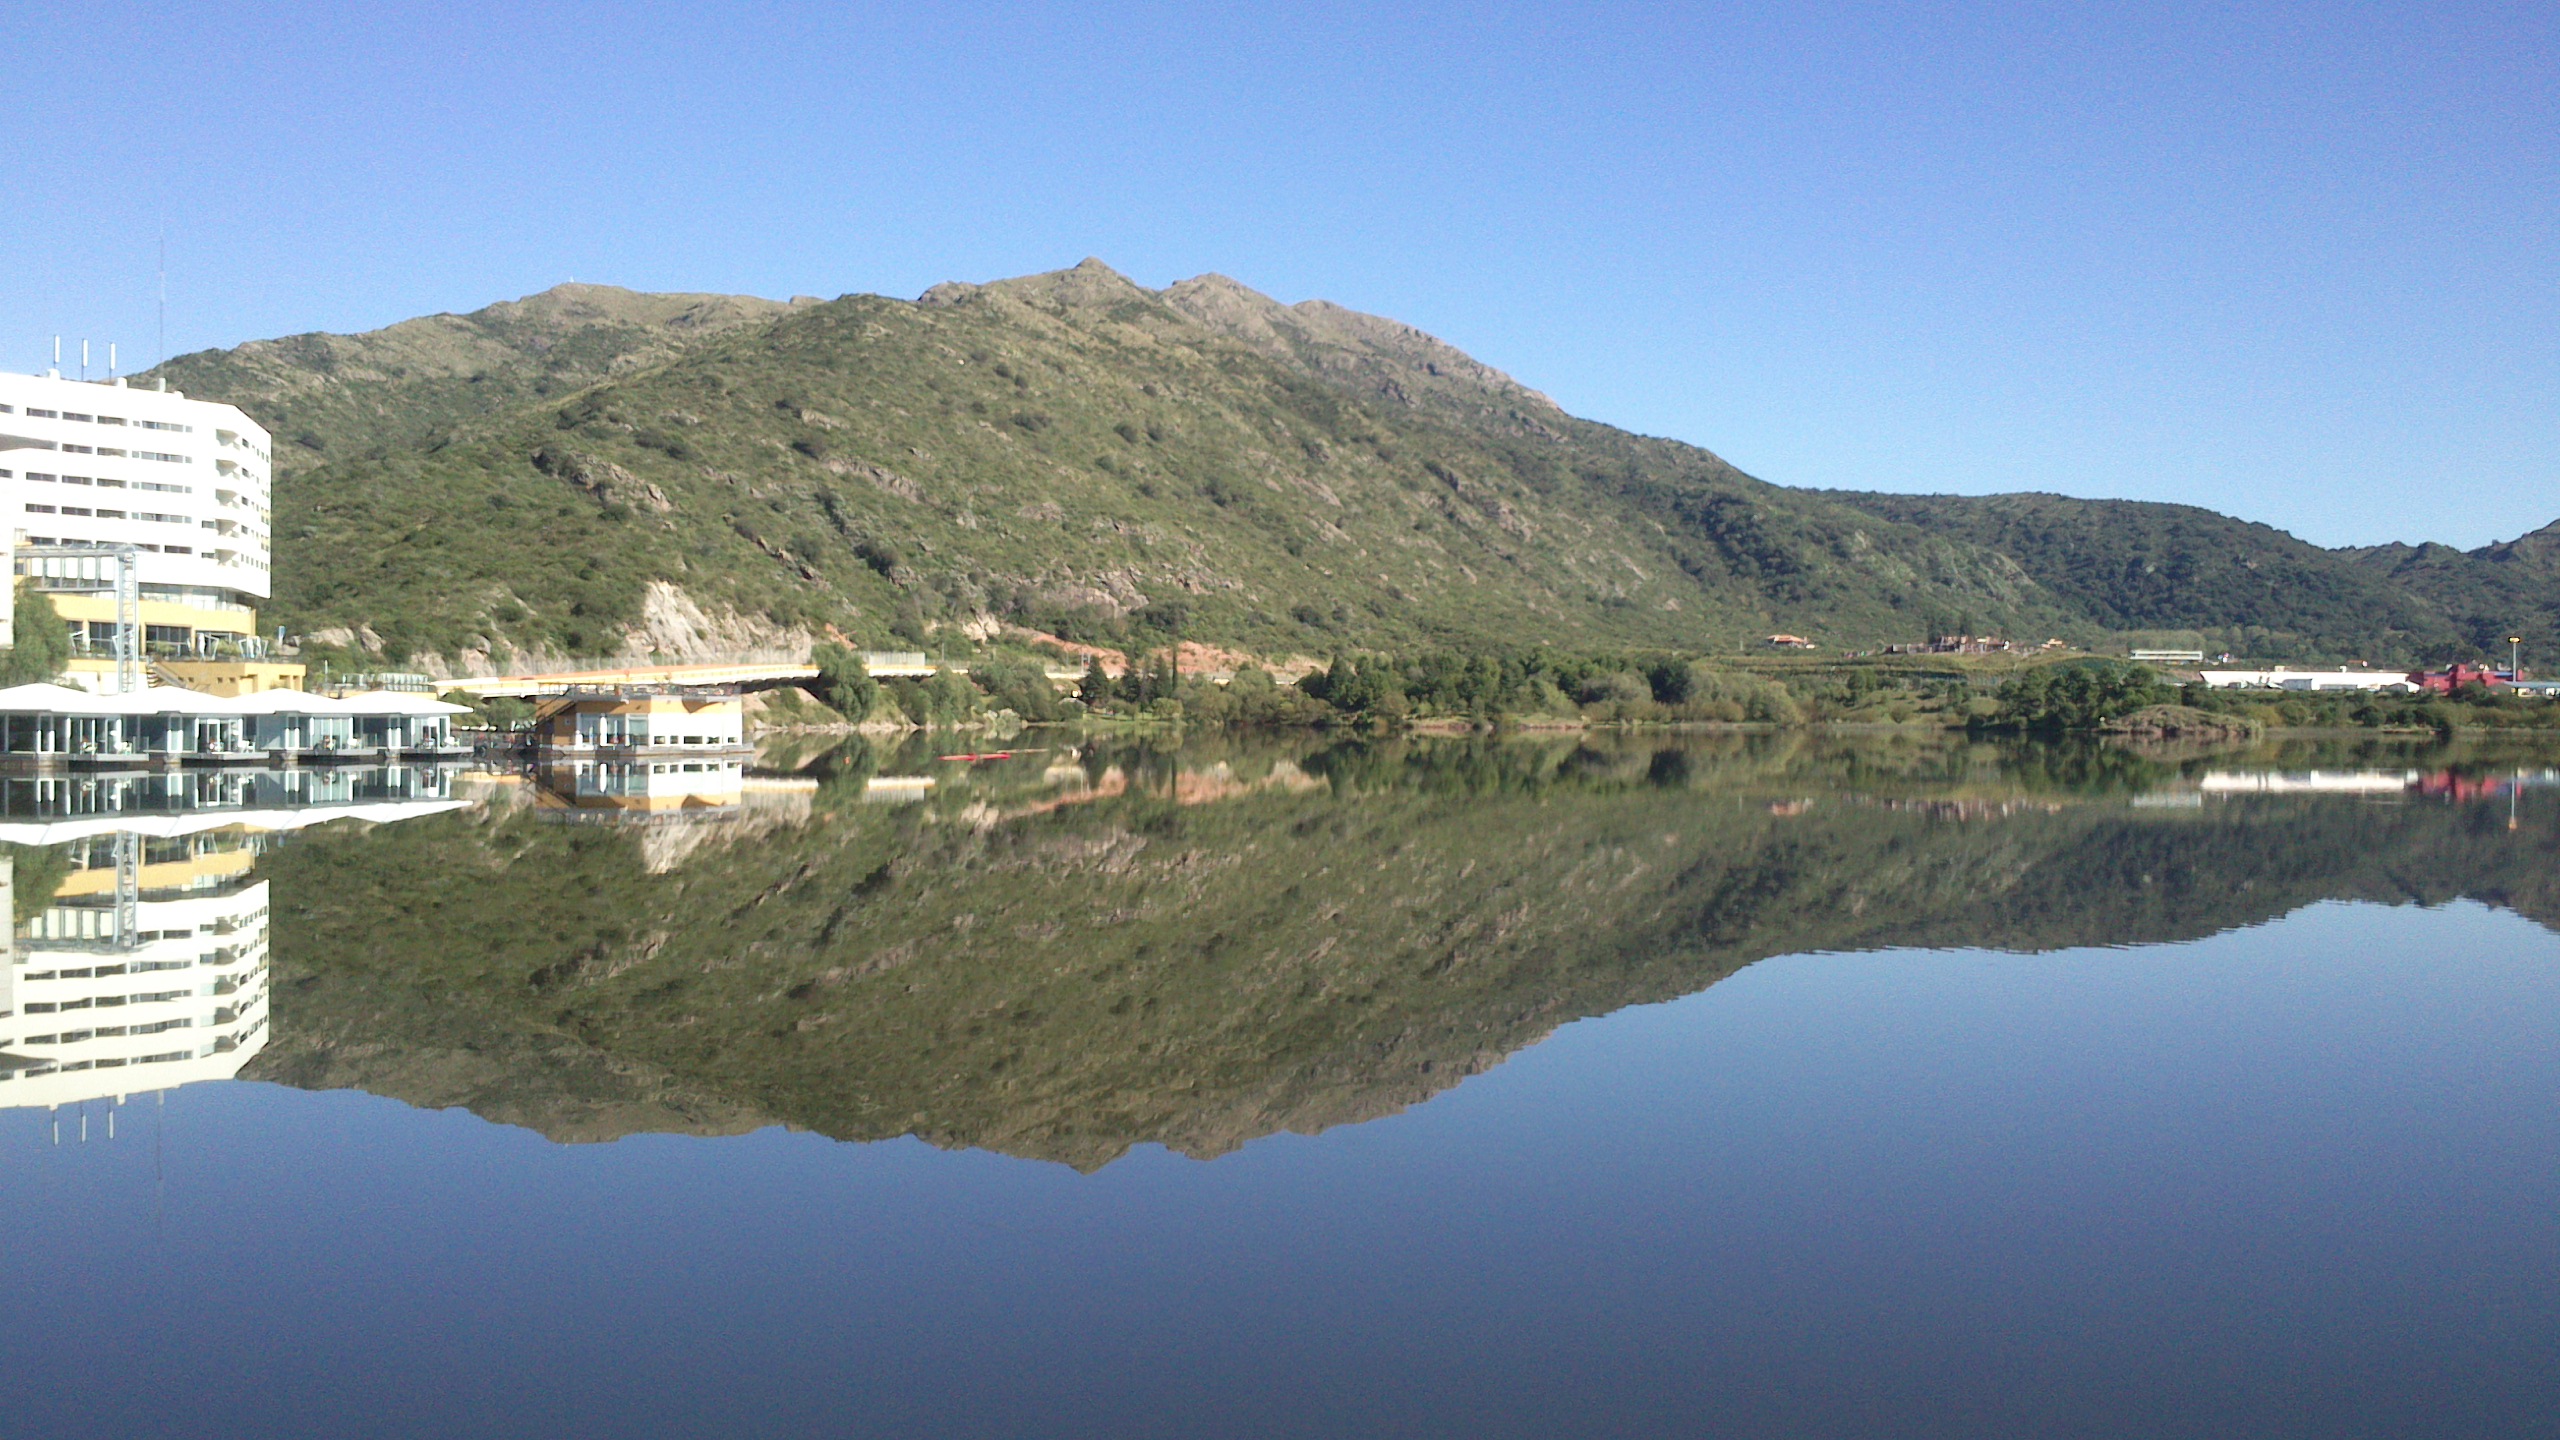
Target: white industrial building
<point>2341,678</point>
<point>180,486</point>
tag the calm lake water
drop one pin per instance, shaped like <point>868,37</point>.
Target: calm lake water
<point>1733,1086</point>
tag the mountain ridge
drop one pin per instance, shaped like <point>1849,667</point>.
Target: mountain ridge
<point>1078,453</point>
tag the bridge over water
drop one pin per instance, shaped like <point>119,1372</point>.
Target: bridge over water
<point>722,675</point>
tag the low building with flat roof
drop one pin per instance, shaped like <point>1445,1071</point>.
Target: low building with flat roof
<point>638,723</point>
<point>43,725</point>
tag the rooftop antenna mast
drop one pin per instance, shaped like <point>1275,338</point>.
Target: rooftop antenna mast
<point>84,374</point>
<point>164,300</point>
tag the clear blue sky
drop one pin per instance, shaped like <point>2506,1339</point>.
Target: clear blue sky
<point>2297,263</point>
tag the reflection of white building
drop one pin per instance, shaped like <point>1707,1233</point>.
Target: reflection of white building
<point>42,809</point>
<point>148,967</point>
<point>2308,782</point>
<point>148,970</point>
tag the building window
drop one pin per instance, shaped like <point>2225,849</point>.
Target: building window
<point>38,475</point>
<point>110,419</point>
<point>75,509</point>
<point>40,510</point>
<point>42,414</point>
<point>75,415</point>
<point>79,450</point>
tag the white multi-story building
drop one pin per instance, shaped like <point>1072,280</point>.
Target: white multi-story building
<point>184,482</point>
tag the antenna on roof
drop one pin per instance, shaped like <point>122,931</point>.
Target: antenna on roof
<point>84,359</point>
<point>111,359</point>
<point>164,300</point>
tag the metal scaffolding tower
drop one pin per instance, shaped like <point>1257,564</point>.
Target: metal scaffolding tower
<point>128,890</point>
<point>97,569</point>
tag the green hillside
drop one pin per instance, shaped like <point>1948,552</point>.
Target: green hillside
<point>2512,587</point>
<point>330,397</point>
<point>1066,451</point>
<point>2142,566</point>
<point>590,471</point>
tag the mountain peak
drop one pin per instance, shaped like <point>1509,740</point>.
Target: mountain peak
<point>1387,359</point>
<point>1088,282</point>
<point>2537,549</point>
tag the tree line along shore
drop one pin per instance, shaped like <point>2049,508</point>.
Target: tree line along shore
<point>1543,687</point>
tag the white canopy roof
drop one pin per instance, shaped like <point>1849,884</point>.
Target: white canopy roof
<point>192,822</point>
<point>176,700</point>
<point>55,700</point>
<point>388,702</point>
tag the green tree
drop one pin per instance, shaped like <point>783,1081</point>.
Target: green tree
<point>1095,688</point>
<point>1021,686</point>
<point>944,698</point>
<point>2078,695</point>
<point>844,682</point>
<point>43,640</point>
<point>1367,692</point>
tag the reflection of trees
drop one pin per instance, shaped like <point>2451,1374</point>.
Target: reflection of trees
<point>1232,939</point>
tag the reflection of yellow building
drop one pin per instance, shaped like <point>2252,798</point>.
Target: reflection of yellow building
<point>642,787</point>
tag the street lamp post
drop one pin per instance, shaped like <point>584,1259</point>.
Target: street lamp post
<point>2515,652</point>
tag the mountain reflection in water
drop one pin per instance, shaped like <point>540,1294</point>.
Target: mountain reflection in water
<point>1082,948</point>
